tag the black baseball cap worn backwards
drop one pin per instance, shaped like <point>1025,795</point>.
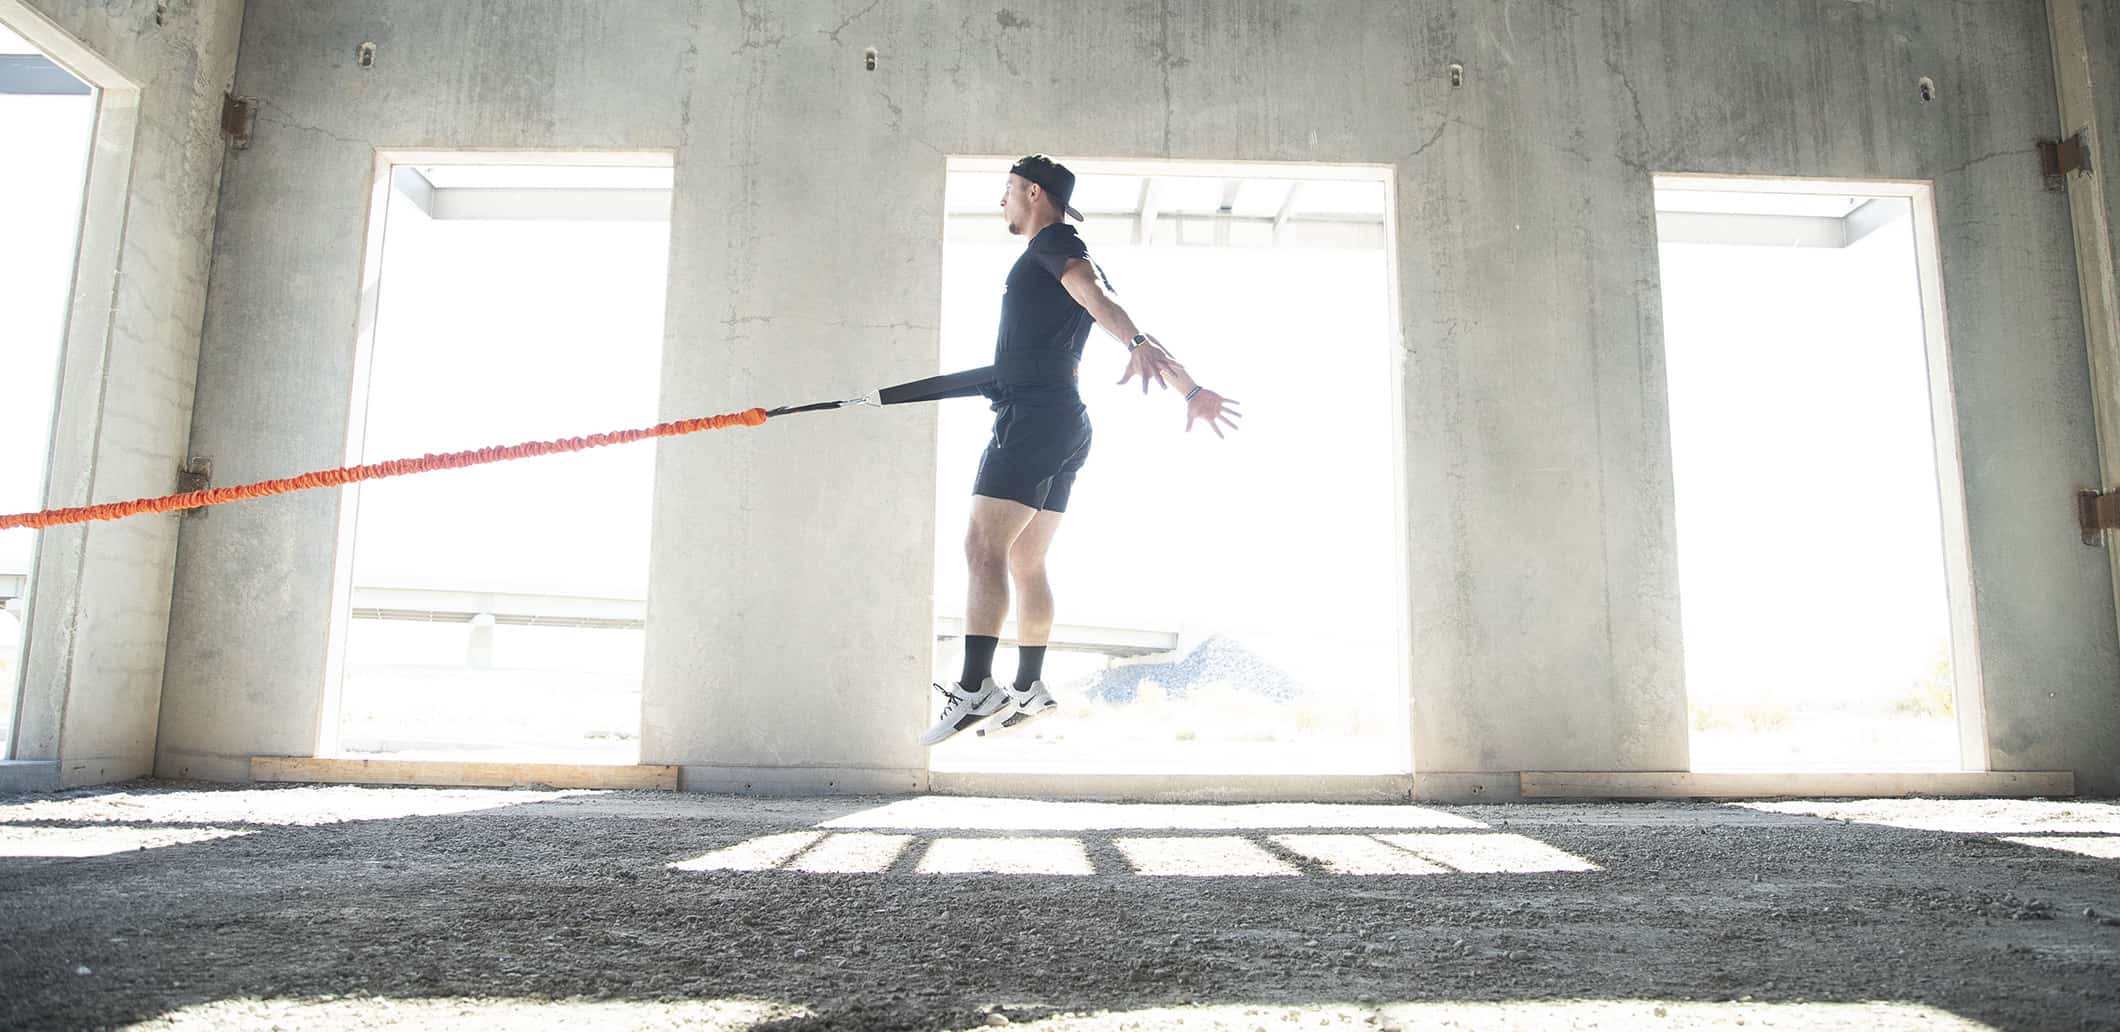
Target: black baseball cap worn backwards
<point>1052,177</point>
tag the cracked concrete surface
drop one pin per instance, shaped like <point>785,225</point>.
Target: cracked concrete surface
<point>350,908</point>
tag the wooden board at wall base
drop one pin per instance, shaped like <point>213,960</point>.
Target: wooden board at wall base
<point>1679,784</point>
<point>342,771</point>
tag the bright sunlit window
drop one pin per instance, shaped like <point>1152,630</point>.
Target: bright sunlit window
<point>497,612</point>
<point>1222,605</point>
<point>46,116</point>
<point>1814,563</point>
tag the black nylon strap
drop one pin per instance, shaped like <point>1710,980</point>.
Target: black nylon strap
<point>936,388</point>
<point>789,410</point>
<point>1043,368</point>
<point>1021,369</point>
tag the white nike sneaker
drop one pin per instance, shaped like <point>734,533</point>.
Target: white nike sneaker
<point>1020,709</point>
<point>965,709</point>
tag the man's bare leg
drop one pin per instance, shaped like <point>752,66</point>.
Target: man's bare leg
<point>1034,593</point>
<point>1028,697</point>
<point>996,524</point>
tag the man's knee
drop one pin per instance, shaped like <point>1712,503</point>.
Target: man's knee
<point>985,545</point>
<point>1025,563</point>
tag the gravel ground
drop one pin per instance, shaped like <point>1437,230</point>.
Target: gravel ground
<point>169,906</point>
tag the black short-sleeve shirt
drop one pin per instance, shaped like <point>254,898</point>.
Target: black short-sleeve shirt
<point>1038,316</point>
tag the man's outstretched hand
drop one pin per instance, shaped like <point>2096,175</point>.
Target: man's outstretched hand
<point>1150,362</point>
<point>1216,409</point>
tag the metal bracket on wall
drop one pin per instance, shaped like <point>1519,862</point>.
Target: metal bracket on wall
<point>239,115</point>
<point>196,475</point>
<point>2098,512</point>
<point>2061,157</point>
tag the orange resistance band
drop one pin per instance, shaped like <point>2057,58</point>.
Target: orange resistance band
<point>355,474</point>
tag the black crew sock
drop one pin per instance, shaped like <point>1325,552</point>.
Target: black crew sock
<point>1030,665</point>
<point>978,660</point>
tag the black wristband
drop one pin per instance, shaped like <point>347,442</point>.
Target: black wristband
<point>1196,389</point>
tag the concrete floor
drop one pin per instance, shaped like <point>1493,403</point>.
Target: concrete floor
<point>181,906</point>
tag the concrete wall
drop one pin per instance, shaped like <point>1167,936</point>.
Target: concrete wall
<point>2101,24</point>
<point>100,609</point>
<point>789,605</point>
<point>252,593</point>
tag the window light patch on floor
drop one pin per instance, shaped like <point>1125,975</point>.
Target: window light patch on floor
<point>853,853</point>
<point>1357,855</point>
<point>101,840</point>
<point>295,806</point>
<point>1039,855</point>
<point>2099,846</point>
<point>1968,816</point>
<point>1490,854</point>
<point>1726,1016</point>
<point>759,854</point>
<point>941,813</point>
<point>378,1012</point>
<point>1202,857</point>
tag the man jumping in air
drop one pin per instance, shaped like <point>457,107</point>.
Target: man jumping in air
<point>1041,438</point>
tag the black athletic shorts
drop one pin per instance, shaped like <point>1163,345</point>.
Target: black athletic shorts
<point>1037,448</point>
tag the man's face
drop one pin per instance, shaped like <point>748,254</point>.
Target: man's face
<point>1016,203</point>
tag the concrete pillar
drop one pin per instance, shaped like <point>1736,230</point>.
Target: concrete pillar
<point>2076,93</point>
<point>98,628</point>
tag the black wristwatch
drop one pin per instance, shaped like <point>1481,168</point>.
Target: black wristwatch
<point>1139,339</point>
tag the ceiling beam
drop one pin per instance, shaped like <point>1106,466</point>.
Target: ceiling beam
<point>1874,215</point>
<point>1701,227</point>
<point>1145,216</point>
<point>34,75</point>
<point>416,187</point>
<point>1288,208</point>
<point>553,204</point>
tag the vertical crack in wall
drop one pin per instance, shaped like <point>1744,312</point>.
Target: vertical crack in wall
<point>1163,66</point>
